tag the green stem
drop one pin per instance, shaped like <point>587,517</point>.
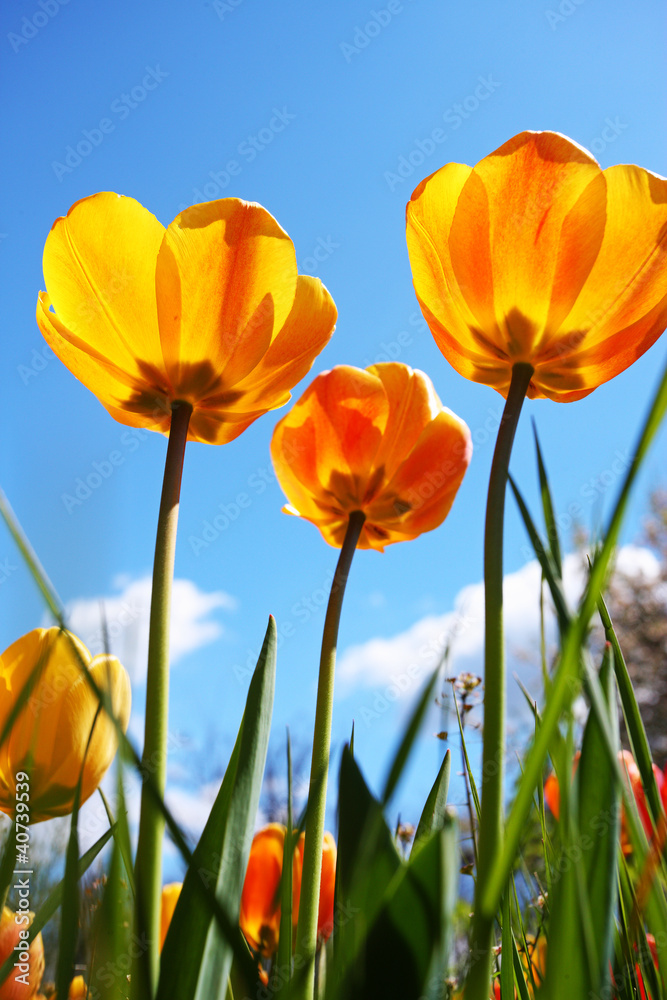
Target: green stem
<point>490,827</point>
<point>148,865</point>
<point>306,936</point>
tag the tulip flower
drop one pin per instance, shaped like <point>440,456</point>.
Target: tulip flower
<point>260,900</point>
<point>377,441</point>
<point>325,916</point>
<point>633,778</point>
<point>21,983</point>
<point>538,256</point>
<point>210,312</point>
<point>540,275</point>
<point>49,737</point>
<point>170,895</point>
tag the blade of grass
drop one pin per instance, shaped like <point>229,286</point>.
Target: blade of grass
<point>221,855</point>
<point>284,957</point>
<point>566,684</point>
<point>433,813</point>
<point>633,720</point>
<point>548,508</point>
<point>30,558</point>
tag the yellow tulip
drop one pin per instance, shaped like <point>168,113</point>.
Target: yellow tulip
<point>170,894</point>
<point>536,255</point>
<point>30,968</point>
<point>49,737</point>
<point>376,440</point>
<point>210,311</point>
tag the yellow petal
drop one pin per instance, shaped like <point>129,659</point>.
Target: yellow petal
<point>519,220</point>
<point>226,280</point>
<point>99,267</point>
<point>307,329</point>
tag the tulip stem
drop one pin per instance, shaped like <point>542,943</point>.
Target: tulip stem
<point>148,864</point>
<point>490,838</point>
<point>306,936</point>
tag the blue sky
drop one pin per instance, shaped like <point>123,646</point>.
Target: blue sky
<point>314,110</point>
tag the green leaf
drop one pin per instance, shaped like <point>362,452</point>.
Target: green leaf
<point>550,569</point>
<point>633,720</point>
<point>284,956</point>
<point>582,927</point>
<point>367,861</point>
<point>196,958</point>
<point>548,509</point>
<point>433,813</point>
<point>407,949</point>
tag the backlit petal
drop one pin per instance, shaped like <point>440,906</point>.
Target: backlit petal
<point>99,266</point>
<point>226,281</point>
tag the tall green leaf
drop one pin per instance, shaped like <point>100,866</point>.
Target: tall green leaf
<point>196,958</point>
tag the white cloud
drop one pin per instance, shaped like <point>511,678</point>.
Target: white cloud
<point>127,616</point>
<point>403,661</point>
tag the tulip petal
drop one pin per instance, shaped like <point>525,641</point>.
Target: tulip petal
<point>519,220</point>
<point>412,404</point>
<point>622,310</point>
<point>115,388</point>
<point>290,357</point>
<point>429,218</point>
<point>99,266</point>
<point>226,279</point>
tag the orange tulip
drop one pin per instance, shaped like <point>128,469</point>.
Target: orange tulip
<point>633,779</point>
<point>170,894</point>
<point>376,440</point>
<point>260,900</point>
<point>325,914</point>
<point>24,980</point>
<point>49,739</point>
<point>210,311</point>
<point>537,255</point>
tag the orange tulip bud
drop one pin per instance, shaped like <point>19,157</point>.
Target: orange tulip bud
<point>209,311</point>
<point>170,894</point>
<point>536,255</point>
<point>49,738</point>
<point>325,913</point>
<point>24,980</point>
<point>260,901</point>
<point>378,441</point>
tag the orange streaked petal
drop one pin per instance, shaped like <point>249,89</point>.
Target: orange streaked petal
<point>226,280</point>
<point>306,332</point>
<point>518,217</point>
<point>367,441</point>
<point>259,917</point>
<point>536,255</point>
